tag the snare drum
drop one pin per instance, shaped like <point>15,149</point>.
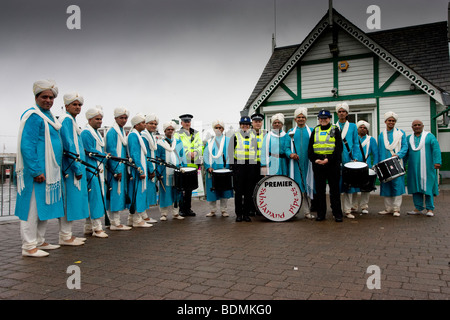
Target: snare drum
<point>389,169</point>
<point>370,186</point>
<point>186,178</point>
<point>278,198</point>
<point>222,180</point>
<point>355,174</point>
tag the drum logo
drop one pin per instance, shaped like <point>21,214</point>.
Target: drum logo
<point>264,207</point>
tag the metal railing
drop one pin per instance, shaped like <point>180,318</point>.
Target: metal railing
<point>8,190</point>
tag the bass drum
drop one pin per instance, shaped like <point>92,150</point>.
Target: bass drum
<point>186,178</point>
<point>355,174</point>
<point>278,198</point>
<point>222,180</point>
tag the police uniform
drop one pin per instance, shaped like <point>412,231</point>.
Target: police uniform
<point>191,143</point>
<point>259,136</point>
<point>242,156</point>
<point>326,143</point>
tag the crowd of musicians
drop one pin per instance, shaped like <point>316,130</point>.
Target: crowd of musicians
<point>71,174</point>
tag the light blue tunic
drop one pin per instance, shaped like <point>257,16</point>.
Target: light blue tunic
<point>219,163</point>
<point>301,142</point>
<point>151,183</point>
<point>275,161</point>
<point>76,200</point>
<point>395,187</point>
<point>433,156</point>
<point>116,201</point>
<point>96,194</point>
<point>372,158</point>
<point>170,194</point>
<point>33,153</point>
<point>353,144</point>
<point>140,196</point>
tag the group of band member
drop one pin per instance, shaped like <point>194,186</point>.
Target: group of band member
<point>71,174</point>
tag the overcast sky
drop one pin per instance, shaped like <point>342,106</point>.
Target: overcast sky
<point>167,57</point>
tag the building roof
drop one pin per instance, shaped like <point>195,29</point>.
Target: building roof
<point>423,48</point>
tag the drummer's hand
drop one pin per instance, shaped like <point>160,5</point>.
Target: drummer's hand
<point>437,166</point>
<point>40,178</point>
<point>142,176</point>
<point>118,176</point>
<point>79,177</point>
<point>152,175</point>
<point>294,156</point>
<point>210,170</point>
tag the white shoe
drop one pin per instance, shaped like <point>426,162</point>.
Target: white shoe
<point>309,215</point>
<point>101,234</point>
<point>37,254</point>
<point>384,212</point>
<point>142,224</point>
<point>225,214</point>
<point>364,211</point>
<point>396,214</point>
<point>430,213</point>
<point>414,212</point>
<point>350,216</point>
<point>163,218</point>
<point>49,246</point>
<point>81,239</point>
<point>211,214</point>
<point>177,216</point>
<point>119,227</point>
<point>150,220</point>
<point>74,242</point>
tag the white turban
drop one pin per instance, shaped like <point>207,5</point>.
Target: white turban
<point>390,114</point>
<point>120,112</point>
<point>71,97</point>
<point>93,112</point>
<point>279,117</point>
<point>344,106</point>
<point>301,110</point>
<point>42,85</point>
<point>137,119</point>
<point>363,123</point>
<point>169,124</point>
<point>151,117</point>
<point>218,122</point>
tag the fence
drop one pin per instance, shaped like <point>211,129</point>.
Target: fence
<point>8,189</point>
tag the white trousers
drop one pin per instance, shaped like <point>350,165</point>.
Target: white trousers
<point>65,228</point>
<point>114,217</point>
<point>393,203</point>
<point>363,201</point>
<point>33,230</point>
<point>92,225</point>
<point>223,205</point>
<point>165,211</point>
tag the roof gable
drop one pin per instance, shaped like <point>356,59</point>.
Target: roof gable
<point>435,69</point>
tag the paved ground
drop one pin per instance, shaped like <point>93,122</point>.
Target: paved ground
<point>202,258</point>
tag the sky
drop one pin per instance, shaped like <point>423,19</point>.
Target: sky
<point>167,57</point>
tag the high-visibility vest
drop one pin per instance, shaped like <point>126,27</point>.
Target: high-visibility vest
<point>259,139</point>
<point>324,143</point>
<point>191,143</point>
<point>244,149</point>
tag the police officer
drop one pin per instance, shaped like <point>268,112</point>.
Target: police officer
<point>259,133</point>
<point>192,144</point>
<point>325,153</point>
<point>243,160</point>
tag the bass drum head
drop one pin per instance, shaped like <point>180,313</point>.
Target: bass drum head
<point>278,198</point>
<point>356,165</point>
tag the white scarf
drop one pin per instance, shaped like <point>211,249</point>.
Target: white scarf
<point>152,144</point>
<point>143,156</point>
<point>170,158</point>
<point>396,144</point>
<point>219,152</point>
<point>364,144</point>
<point>310,173</point>
<point>423,157</point>
<point>345,129</point>
<point>52,169</point>
<point>76,133</point>
<point>99,144</point>
<point>278,135</point>
<point>121,141</point>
